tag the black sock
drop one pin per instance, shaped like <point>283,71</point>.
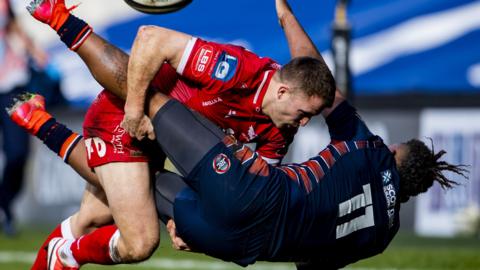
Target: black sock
<point>58,138</point>
<point>73,32</point>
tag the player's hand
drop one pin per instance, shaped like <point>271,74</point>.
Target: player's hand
<point>283,8</point>
<point>177,242</point>
<point>138,125</point>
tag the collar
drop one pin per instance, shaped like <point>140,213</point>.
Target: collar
<point>261,90</point>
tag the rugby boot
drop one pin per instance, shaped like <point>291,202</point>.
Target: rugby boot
<point>51,12</point>
<point>57,258</point>
<point>28,111</point>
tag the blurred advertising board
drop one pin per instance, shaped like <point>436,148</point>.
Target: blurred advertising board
<point>442,213</point>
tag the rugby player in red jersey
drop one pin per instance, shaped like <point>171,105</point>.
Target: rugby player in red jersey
<point>338,207</point>
<point>254,98</point>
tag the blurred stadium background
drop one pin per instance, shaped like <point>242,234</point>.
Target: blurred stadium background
<point>415,69</point>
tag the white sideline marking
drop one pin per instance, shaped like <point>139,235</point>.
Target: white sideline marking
<point>28,257</point>
<point>17,256</point>
<point>161,263</point>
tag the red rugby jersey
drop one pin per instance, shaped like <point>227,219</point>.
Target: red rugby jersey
<point>227,83</point>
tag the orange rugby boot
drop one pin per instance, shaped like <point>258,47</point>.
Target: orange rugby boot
<point>57,257</point>
<point>28,111</point>
<point>51,12</point>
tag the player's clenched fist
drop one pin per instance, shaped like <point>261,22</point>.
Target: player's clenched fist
<point>283,8</point>
<point>138,125</point>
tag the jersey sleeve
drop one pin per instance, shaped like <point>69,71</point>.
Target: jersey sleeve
<point>218,67</point>
<point>345,124</point>
<point>165,79</point>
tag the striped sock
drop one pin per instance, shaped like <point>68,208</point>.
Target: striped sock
<point>58,138</point>
<point>74,32</point>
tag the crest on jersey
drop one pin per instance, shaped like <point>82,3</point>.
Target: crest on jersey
<point>221,163</point>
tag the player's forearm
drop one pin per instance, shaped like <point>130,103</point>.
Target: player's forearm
<point>145,60</point>
<point>299,42</point>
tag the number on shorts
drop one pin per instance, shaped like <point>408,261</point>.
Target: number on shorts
<point>99,144</point>
<point>366,220</point>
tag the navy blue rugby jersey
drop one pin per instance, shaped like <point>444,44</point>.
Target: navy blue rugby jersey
<point>342,204</point>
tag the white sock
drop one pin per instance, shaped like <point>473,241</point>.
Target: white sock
<point>66,229</point>
<point>113,247</point>
<point>66,254</point>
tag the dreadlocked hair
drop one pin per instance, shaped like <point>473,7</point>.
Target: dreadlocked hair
<point>422,167</point>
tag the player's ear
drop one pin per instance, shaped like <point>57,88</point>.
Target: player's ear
<point>393,148</point>
<point>282,90</point>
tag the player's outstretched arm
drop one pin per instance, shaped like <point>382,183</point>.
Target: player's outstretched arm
<point>299,42</point>
<point>152,47</point>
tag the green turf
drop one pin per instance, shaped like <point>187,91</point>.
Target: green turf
<point>405,252</point>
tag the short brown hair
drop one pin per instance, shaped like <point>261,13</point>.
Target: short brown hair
<point>312,76</point>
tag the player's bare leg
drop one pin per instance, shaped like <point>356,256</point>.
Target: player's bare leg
<point>135,234</point>
<point>78,161</point>
<point>130,195</point>
<point>93,213</point>
<point>107,63</point>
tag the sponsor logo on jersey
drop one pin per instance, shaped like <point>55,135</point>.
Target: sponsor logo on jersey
<point>211,102</point>
<point>225,67</point>
<point>202,60</point>
<point>390,195</point>
<point>386,176</point>
<point>221,164</point>
<point>116,141</point>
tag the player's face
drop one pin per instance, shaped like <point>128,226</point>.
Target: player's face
<point>296,109</point>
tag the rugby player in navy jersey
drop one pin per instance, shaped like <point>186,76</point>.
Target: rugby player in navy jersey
<point>332,210</point>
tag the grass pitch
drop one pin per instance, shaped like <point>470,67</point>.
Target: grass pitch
<point>405,252</point>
